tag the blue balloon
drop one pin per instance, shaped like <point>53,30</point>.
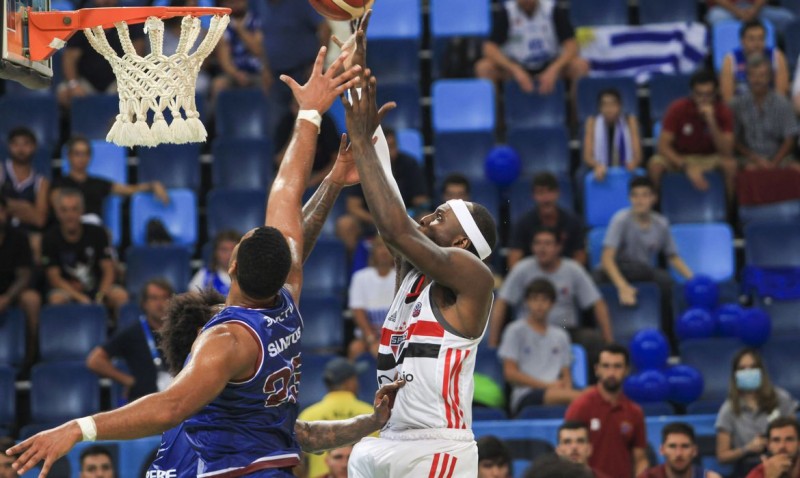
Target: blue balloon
<point>649,349</point>
<point>728,317</point>
<point>685,384</point>
<point>647,386</point>
<point>755,327</point>
<point>695,324</point>
<point>701,291</point>
<point>502,165</point>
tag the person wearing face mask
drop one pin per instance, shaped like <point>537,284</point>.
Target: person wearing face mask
<point>782,447</point>
<point>753,401</point>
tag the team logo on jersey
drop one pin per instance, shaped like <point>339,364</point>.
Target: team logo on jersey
<point>396,342</point>
<point>417,309</point>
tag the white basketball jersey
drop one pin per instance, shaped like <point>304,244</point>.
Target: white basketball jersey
<point>532,41</point>
<point>436,362</point>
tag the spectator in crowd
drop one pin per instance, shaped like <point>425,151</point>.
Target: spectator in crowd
<point>546,212</point>
<point>77,259</point>
<point>697,136</point>
<point>456,186</point>
<point>748,10</point>
<point>16,271</point>
<point>96,462</point>
<point>765,122</point>
<point>86,72</point>
<point>573,445</point>
<point>616,424</point>
<point>633,237</point>
<point>95,189</point>
<point>611,138</point>
<point>536,355</point>
<point>557,467</point>
<point>494,458</point>
<point>336,460</point>
<point>328,143</point>
<point>240,52</point>
<point>24,189</point>
<point>752,402</point>
<point>215,274</point>
<point>5,461</point>
<point>371,295</point>
<point>782,451</point>
<point>138,346</point>
<point>410,180</point>
<point>533,43</point>
<point>574,288</point>
<point>752,41</point>
<point>340,403</point>
<point>679,449</point>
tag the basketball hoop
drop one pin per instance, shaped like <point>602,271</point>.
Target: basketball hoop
<point>155,82</point>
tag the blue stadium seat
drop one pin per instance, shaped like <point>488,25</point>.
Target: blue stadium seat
<point>250,207</point>
<point>179,216</point>
<point>336,112</point>
<point>461,153</point>
<point>589,88</point>
<point>487,413</point>
<point>784,211</point>
<point>532,110</point>
<point>12,337</point>
<point>410,141</point>
<point>394,41</point>
<point>145,263</point>
<point>707,249</point>
<point>109,161</point>
<point>659,11</point>
<point>520,466</point>
<point>175,165</point>
<point>521,201</point>
<point>472,18</point>
<point>538,412</point>
<point>408,113</point>
<point>463,106</point>
<point>71,331</point>
<point>791,37</point>
<point>603,199</point>
<point>657,409</point>
<point>324,324</point>
<point>772,244</point>
<point>242,163</point>
<point>625,320</point>
<point>488,363</point>
<point>312,386</point>
<point>112,218</point>
<point>682,202</point>
<point>542,149</point>
<point>778,352</point>
<point>725,37</point>
<point>593,13</point>
<point>39,113</point>
<point>367,380</point>
<point>242,113</point>
<point>785,316</point>
<point>328,261</point>
<point>92,116</point>
<point>595,240</point>
<point>8,396</point>
<point>129,314</point>
<point>485,193</point>
<point>704,407</point>
<point>580,367</point>
<point>63,391</point>
<point>664,89</point>
<point>712,357</point>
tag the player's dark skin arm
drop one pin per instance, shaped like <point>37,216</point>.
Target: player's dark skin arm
<point>460,272</point>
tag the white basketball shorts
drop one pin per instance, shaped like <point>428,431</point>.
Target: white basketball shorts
<point>434,458</point>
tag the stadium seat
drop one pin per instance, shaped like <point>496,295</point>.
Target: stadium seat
<point>772,244</point>
<point>179,216</point>
<point>112,218</point>
<point>472,18</point>
<point>488,363</point>
<point>791,37</point>
<point>712,357</point>
<point>71,331</point>
<point>580,367</point>
<point>603,199</point>
<point>408,113</point>
<point>704,407</point>
<point>664,89</point>
<point>785,316</point>
<point>410,141</point>
<point>659,11</point>
<point>92,116</point>
<point>593,13</point>
<point>242,114</point>
<point>487,413</point>
<point>39,113</point>
<point>174,165</point>
<point>109,161</point>
<point>595,241</point>
<point>8,396</point>
<point>63,391</point>
<point>129,314</point>
<point>463,106</point>
<point>657,409</point>
<point>394,41</point>
<point>707,249</point>
<point>521,201</point>
<point>589,88</point>
<point>336,112</point>
<point>532,110</point>
<point>145,263</point>
<point>324,329</point>
<point>725,37</point>
<point>780,351</point>
<point>12,337</point>
<point>625,320</point>
<point>682,202</point>
<point>242,163</point>
<point>542,149</point>
<point>312,386</point>
<point>784,211</point>
<point>485,193</point>
<point>461,153</point>
<point>367,380</point>
<point>250,206</point>
<point>328,261</point>
<point>539,412</point>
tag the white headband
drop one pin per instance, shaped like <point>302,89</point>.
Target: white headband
<point>474,234</point>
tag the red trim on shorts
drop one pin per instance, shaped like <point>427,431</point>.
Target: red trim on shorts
<point>435,464</point>
<point>452,468</point>
<point>446,388</point>
<point>444,465</point>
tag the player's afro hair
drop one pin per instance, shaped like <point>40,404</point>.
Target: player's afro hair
<point>187,314</point>
<point>263,263</point>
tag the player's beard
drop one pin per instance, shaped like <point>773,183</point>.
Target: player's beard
<point>612,385</point>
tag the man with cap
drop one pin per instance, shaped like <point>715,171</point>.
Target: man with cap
<point>340,403</point>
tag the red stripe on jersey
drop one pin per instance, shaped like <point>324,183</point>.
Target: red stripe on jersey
<point>446,388</point>
<point>425,329</point>
<point>452,468</point>
<point>435,464</point>
<point>416,289</point>
<point>444,465</point>
<point>459,411</point>
<point>454,389</point>
<point>386,336</point>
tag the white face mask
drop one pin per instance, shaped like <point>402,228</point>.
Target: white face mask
<point>749,379</point>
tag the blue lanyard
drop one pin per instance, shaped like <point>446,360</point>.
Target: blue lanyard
<point>151,342</point>
<point>214,280</point>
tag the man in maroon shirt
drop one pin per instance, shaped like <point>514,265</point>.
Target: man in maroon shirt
<point>616,424</point>
<point>782,447</point>
<point>697,136</point>
<point>679,449</point>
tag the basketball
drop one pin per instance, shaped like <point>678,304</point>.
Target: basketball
<point>342,9</point>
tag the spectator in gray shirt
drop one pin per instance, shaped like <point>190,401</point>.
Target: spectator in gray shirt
<point>765,122</point>
<point>536,355</point>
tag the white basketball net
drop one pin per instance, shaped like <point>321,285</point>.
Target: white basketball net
<point>157,82</point>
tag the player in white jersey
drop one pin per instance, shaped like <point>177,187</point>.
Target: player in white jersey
<point>436,321</point>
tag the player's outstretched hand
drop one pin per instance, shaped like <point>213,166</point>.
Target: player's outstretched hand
<point>384,400</point>
<point>321,90</point>
<point>363,116</point>
<point>356,45</point>
<point>344,170</point>
<point>47,446</point>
